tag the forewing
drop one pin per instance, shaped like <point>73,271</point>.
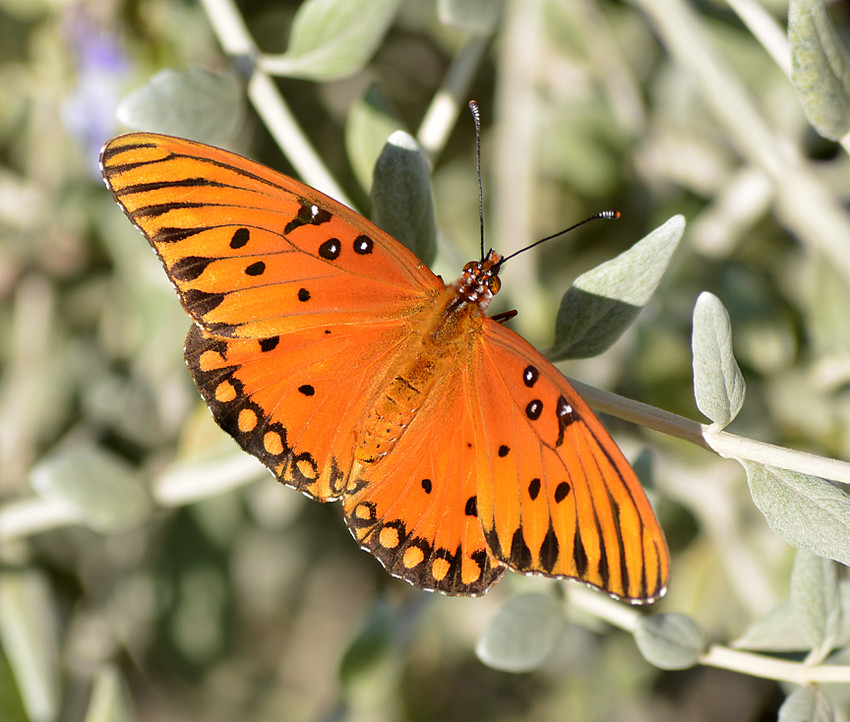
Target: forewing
<point>556,496</point>
<point>253,253</point>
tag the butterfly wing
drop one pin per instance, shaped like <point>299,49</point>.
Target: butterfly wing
<point>555,494</point>
<point>416,509</point>
<point>302,305</point>
<point>254,253</point>
<point>294,401</point>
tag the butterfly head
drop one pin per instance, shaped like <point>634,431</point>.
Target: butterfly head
<point>480,279</point>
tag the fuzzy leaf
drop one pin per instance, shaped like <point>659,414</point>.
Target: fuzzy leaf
<point>98,487</point>
<point>777,631</point>
<point>719,386</point>
<point>820,68</point>
<point>193,103</point>
<point>522,634</point>
<point>110,699</point>
<point>806,511</point>
<point>401,196</point>
<point>817,602</point>
<point>669,641</point>
<point>603,302</point>
<point>807,704</point>
<point>333,39</point>
<point>371,121</point>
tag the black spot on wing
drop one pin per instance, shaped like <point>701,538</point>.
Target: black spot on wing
<point>308,214</point>
<point>549,550</point>
<point>565,416</point>
<point>579,555</point>
<point>189,268</point>
<point>520,553</point>
<point>363,245</point>
<point>240,238</point>
<point>269,344</point>
<point>562,491</point>
<point>200,303</point>
<point>534,409</point>
<point>330,249</point>
<point>257,268</point>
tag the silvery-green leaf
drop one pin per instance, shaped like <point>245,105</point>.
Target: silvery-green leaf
<point>332,39</point>
<point>371,121</point>
<point>193,103</point>
<point>807,511</point>
<point>522,634</point>
<point>669,641</point>
<point>29,637</point>
<point>844,593</point>
<point>820,68</point>
<point>401,196</point>
<point>777,631</point>
<point>719,386</point>
<point>99,488</point>
<point>807,704</point>
<point>110,699</point>
<point>828,299</point>
<point>603,302</point>
<point>478,17</point>
<point>817,603</point>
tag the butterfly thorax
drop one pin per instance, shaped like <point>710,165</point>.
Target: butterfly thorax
<point>441,337</point>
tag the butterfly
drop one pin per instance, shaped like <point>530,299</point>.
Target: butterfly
<point>330,352</point>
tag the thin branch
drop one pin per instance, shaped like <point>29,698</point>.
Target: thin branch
<point>756,665</point>
<point>722,442</point>
<point>451,97</point>
<point>264,95</point>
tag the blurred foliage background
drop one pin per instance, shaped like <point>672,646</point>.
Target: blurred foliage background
<point>182,583</point>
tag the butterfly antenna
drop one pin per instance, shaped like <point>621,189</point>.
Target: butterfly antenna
<point>602,215</point>
<point>476,118</point>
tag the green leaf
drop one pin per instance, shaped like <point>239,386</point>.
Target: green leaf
<point>333,39</point>
<point>193,103</point>
<point>522,634</point>
<point>603,302</point>
<point>820,68</point>
<point>806,511</point>
<point>371,646</point>
<point>669,641</point>
<point>478,17</point>
<point>30,640</point>
<point>401,196</point>
<point>99,488</point>
<point>817,602</point>
<point>719,386</point>
<point>371,121</point>
<point>777,631</point>
<point>110,700</point>
<point>807,704</point>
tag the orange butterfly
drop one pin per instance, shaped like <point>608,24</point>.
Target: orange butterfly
<point>330,352</point>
